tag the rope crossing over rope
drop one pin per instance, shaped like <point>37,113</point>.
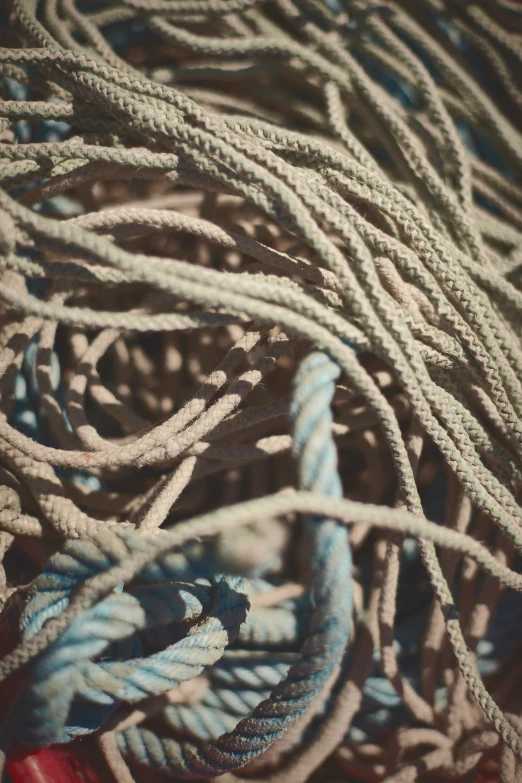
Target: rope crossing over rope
<point>66,671</point>
<point>331,576</point>
<point>260,315</point>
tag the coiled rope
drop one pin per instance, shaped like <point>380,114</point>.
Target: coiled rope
<point>246,246</point>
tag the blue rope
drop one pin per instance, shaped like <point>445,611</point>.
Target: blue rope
<point>69,693</point>
<point>81,560</point>
<point>237,683</point>
<point>323,651</point>
<point>251,670</point>
<point>275,628</point>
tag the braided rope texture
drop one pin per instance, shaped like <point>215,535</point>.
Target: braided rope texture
<point>260,316</point>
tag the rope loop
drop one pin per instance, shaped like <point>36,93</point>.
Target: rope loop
<point>97,662</point>
<point>331,574</point>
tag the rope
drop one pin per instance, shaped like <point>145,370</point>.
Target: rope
<point>331,591</point>
<point>260,281</point>
<point>66,671</point>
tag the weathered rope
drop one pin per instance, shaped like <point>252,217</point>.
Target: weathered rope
<point>66,670</point>
<point>240,240</point>
<point>331,591</point>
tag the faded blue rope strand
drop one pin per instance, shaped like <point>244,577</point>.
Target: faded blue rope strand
<point>81,560</point>
<point>237,683</point>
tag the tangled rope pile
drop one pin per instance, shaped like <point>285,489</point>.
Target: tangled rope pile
<point>261,303</point>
